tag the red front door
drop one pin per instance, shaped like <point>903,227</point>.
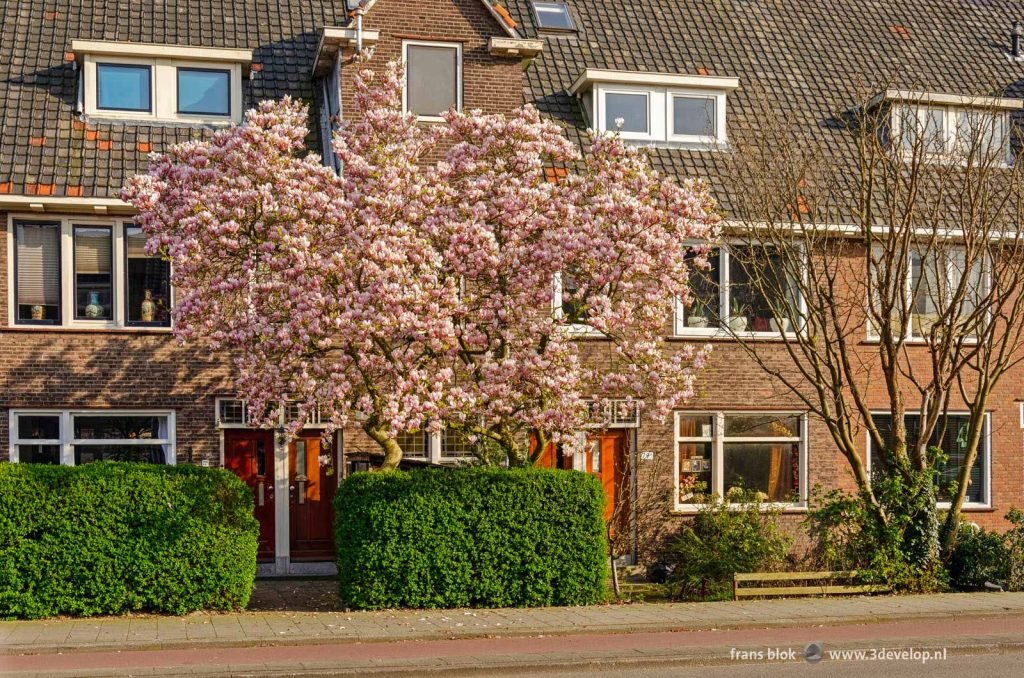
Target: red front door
<point>605,457</point>
<point>250,455</point>
<point>311,487</point>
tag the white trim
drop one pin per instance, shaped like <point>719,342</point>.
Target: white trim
<point>159,51</point>
<point>39,203</point>
<point>119,291</point>
<point>67,440</point>
<point>660,115</point>
<point>919,97</point>
<point>720,136</point>
<point>654,119</point>
<point>591,76</point>
<point>986,466</point>
<point>457,46</point>
<point>163,89</point>
<point>335,38</point>
<point>718,440</point>
<point>514,47</point>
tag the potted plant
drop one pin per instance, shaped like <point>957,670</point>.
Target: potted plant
<point>780,325</point>
<point>697,316</point>
<point>738,320</point>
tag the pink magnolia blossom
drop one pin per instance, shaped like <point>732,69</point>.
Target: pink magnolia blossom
<point>415,290</point>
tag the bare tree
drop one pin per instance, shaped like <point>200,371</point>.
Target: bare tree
<point>885,240</point>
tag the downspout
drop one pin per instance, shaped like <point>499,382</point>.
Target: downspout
<point>359,28</point>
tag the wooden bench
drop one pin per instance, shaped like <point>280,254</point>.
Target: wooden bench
<point>801,585</point>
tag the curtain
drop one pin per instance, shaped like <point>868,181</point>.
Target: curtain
<point>38,253</point>
<point>163,432</point>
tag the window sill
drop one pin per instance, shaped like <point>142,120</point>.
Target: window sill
<point>912,341</point>
<point>85,329</point>
<point>692,510</point>
<point>723,335</point>
<point>679,145</point>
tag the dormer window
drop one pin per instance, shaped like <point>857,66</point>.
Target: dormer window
<point>553,16</point>
<point>941,127</point>
<point>161,83</point>
<point>661,109</point>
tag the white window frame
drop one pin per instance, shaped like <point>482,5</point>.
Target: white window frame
<point>550,4</point>
<point>952,276</point>
<point>67,440</point>
<point>581,329</point>
<point>986,467</point>
<point>660,115</point>
<point>119,320</point>
<point>457,46</point>
<point>681,329</point>
<point>163,105</point>
<point>951,119</point>
<point>314,421</point>
<point>434,445</point>
<point>718,441</point>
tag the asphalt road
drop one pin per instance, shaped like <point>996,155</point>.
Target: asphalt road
<point>1007,665</point>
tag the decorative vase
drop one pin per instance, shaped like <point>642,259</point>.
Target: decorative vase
<point>38,312</point>
<point>696,321</point>
<point>738,323</point>
<point>148,309</point>
<point>780,325</point>
<point>94,309</point>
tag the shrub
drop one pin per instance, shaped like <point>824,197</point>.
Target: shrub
<point>979,556</point>
<point>110,538</point>
<point>471,537</point>
<point>722,539</point>
<point>1015,548</point>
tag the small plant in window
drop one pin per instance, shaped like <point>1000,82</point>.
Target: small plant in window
<point>698,315</point>
<point>738,312</point>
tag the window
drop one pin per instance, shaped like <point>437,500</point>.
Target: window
<point>718,453</point>
<point>433,78</point>
<point>81,437</point>
<point>415,444</point>
<point>625,112</point>
<point>37,255</point>
<point>694,116</point>
<point>147,283</point>
<point>944,131</point>
<point>203,91</point>
<point>456,444</point>
<point>74,272</point>
<point>952,438</point>
<point>93,272</point>
<point>931,286</point>
<point>669,116</point>
<point>123,87</point>
<point>552,16</point>
<point>727,297</point>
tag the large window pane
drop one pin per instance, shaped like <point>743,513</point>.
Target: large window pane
<point>696,425</point>
<point>749,306</point>
<point>413,443</point>
<point>630,109</point>
<point>37,257</point>
<point>771,469</point>
<point>431,79</point>
<point>204,91</point>
<point>94,260</point>
<point>694,116</point>
<point>552,15</point>
<point>694,472</point>
<point>39,454</point>
<point>704,310</point>
<point>148,290</point>
<point>123,87</point>
<point>456,444</point>
<point>953,442</point>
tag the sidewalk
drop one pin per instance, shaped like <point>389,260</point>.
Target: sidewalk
<point>312,627</point>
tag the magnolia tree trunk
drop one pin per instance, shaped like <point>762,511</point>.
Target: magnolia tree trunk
<point>392,450</point>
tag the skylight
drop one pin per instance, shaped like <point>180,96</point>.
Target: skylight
<point>553,16</point>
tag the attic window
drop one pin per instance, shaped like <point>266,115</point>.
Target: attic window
<point>553,16</point>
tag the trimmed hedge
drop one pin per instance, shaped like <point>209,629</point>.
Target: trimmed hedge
<point>471,537</point>
<point>110,538</point>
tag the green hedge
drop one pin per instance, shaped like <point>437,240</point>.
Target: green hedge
<point>110,538</point>
<point>471,537</point>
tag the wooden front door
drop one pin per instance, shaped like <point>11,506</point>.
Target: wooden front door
<point>605,457</point>
<point>250,455</point>
<point>310,499</point>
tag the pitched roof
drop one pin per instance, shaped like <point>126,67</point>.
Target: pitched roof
<point>810,54</point>
<point>45,147</point>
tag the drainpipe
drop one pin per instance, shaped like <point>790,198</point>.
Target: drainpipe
<point>359,28</point>
<point>1015,35</point>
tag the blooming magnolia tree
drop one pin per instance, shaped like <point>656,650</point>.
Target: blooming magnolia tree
<point>416,289</point>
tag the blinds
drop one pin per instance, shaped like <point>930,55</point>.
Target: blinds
<point>135,243</point>
<point>38,252</point>
<point>93,250</point>
<point>432,77</point>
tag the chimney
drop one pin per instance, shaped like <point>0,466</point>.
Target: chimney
<point>1015,35</point>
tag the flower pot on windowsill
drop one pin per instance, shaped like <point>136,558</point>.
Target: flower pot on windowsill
<point>780,325</point>
<point>738,323</point>
<point>696,321</point>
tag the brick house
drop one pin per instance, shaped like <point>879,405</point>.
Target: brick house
<point>89,369</point>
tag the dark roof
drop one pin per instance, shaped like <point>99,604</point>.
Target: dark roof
<point>44,144</point>
<point>812,55</point>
